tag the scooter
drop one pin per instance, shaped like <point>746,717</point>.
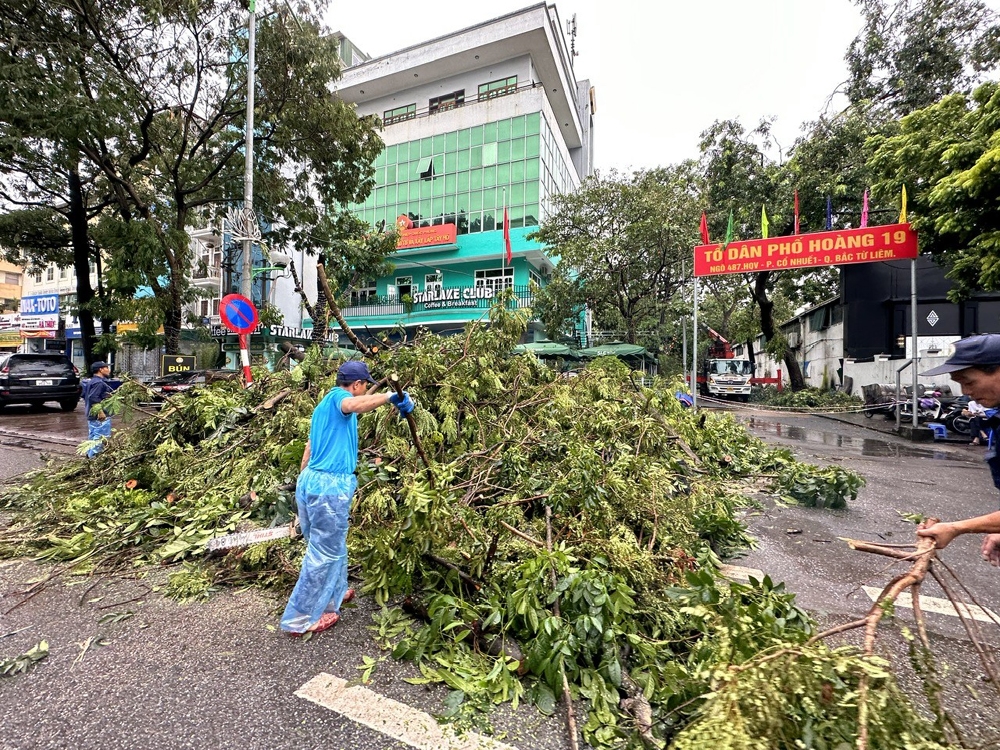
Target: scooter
<point>954,420</point>
<point>929,408</point>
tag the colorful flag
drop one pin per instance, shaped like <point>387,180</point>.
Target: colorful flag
<point>864,210</point>
<point>829,212</point>
<point>902,210</point>
<point>764,223</point>
<point>729,230</point>
<point>704,229</point>
<point>796,212</point>
<point>506,234</point>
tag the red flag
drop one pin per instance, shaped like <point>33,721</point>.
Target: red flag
<point>506,234</point>
<point>796,212</point>
<point>704,229</point>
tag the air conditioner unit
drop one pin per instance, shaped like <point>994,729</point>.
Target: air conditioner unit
<point>794,340</point>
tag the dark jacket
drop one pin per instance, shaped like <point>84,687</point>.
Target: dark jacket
<point>95,391</point>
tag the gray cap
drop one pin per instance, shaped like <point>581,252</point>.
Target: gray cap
<point>970,352</point>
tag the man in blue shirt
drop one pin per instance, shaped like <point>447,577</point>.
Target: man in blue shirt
<point>974,364</point>
<point>323,493</point>
<point>98,422</point>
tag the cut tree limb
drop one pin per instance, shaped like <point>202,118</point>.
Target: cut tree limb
<point>338,316</point>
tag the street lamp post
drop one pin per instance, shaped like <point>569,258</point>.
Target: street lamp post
<point>246,277</point>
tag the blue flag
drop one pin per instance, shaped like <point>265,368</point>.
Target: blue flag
<point>829,213</point>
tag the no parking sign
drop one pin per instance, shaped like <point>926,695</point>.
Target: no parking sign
<point>240,316</point>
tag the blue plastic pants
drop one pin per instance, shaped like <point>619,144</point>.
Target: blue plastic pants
<point>97,429</point>
<point>324,502</point>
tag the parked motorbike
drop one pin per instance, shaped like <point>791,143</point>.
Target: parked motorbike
<point>929,408</point>
<point>953,418</point>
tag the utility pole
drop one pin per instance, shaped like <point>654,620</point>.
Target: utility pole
<point>246,276</point>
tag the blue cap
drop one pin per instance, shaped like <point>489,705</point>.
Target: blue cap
<point>970,352</point>
<point>98,365</point>
<point>354,370</point>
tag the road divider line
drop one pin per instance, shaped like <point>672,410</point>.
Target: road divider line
<point>739,573</point>
<point>936,605</point>
<point>390,717</point>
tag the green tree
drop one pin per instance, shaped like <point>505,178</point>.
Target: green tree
<point>911,54</point>
<point>947,155</point>
<point>621,240</point>
<point>740,177</point>
<point>162,92</point>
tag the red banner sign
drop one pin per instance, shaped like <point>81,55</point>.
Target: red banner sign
<point>889,242</point>
<point>442,234</point>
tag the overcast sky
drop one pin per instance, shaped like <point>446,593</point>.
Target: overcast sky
<point>664,69</point>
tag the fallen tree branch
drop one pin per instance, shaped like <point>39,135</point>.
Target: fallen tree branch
<point>394,382</point>
<point>567,696</point>
<point>335,311</point>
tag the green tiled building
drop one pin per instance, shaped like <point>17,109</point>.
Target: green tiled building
<point>475,121</point>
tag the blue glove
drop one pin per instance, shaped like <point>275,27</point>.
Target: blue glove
<point>402,402</point>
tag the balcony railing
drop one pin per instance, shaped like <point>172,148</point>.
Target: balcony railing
<point>473,99</point>
<point>207,273</point>
<point>460,298</point>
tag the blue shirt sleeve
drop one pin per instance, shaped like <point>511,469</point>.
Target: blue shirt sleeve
<point>333,435</point>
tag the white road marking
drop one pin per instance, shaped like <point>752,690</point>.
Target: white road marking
<point>936,605</point>
<point>392,718</point>
<point>739,573</point>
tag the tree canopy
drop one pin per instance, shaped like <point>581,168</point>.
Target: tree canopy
<point>947,155</point>
<point>621,240</point>
<point>152,99</point>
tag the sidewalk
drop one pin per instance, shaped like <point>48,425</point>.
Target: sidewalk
<point>879,423</point>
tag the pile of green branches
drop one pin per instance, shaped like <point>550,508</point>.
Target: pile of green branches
<point>565,536</point>
<point>807,398</point>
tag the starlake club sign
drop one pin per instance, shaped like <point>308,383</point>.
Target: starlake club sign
<point>469,296</point>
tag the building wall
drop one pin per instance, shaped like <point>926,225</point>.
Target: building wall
<point>465,176</point>
<point>11,279</point>
<point>461,159</point>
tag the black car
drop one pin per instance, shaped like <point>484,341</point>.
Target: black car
<point>37,378</point>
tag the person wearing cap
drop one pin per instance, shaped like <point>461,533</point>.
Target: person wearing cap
<point>974,363</point>
<point>98,422</point>
<point>324,492</point>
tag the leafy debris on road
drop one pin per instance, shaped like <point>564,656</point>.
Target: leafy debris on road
<point>22,663</point>
<point>625,600</point>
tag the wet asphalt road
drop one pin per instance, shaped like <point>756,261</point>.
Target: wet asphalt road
<point>215,675</point>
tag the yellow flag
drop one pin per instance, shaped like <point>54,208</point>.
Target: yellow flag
<point>902,210</point>
<point>764,225</point>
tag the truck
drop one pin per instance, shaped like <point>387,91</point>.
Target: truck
<point>722,375</point>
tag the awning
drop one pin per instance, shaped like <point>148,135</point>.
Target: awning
<point>548,349</point>
<point>617,349</point>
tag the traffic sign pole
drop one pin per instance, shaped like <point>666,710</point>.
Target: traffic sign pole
<point>240,316</point>
<point>245,358</point>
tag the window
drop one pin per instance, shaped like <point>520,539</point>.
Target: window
<point>432,281</point>
<point>498,278</point>
<point>64,273</point>
<point>426,168</point>
<point>12,278</point>
<point>362,294</point>
<point>535,279</point>
<point>215,306</point>
<point>404,286</point>
<point>50,273</point>
<point>447,101</point>
<point>38,277</point>
<point>204,308</point>
<point>399,114</point>
<point>501,87</point>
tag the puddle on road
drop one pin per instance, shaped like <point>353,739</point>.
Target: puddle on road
<point>857,446</point>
